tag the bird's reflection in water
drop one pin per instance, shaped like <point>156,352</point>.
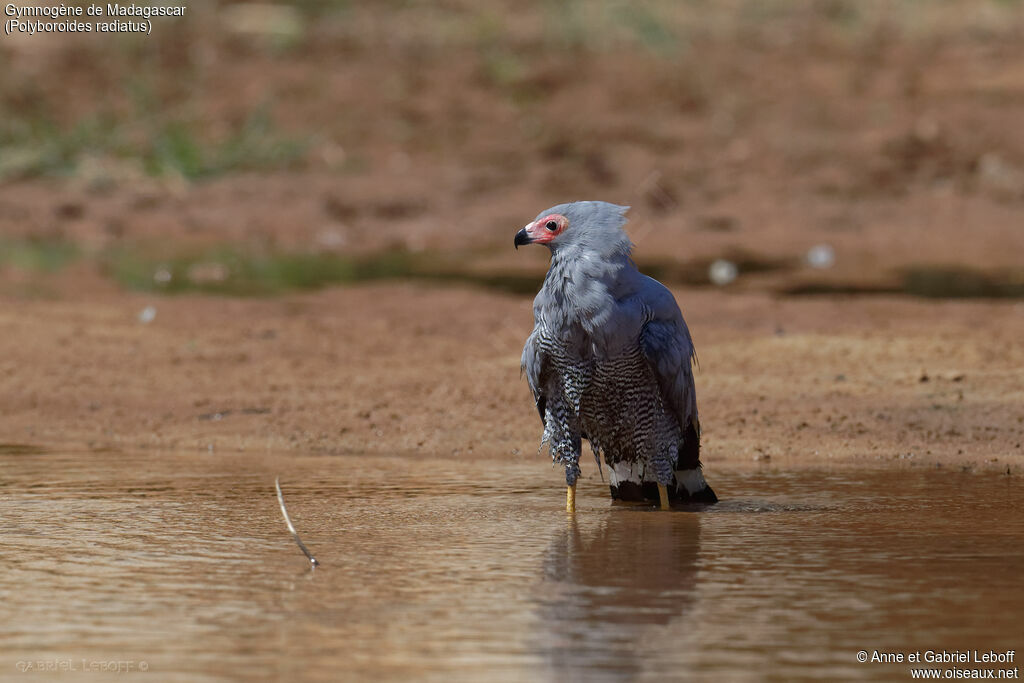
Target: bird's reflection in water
<point>616,588</point>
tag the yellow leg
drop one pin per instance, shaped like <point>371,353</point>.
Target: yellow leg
<point>570,498</point>
<point>663,494</point>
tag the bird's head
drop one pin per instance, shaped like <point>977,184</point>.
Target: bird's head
<point>586,226</point>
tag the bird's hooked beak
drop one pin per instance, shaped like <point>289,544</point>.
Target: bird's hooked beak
<point>523,237</point>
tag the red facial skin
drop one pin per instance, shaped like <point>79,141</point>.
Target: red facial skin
<point>539,233</point>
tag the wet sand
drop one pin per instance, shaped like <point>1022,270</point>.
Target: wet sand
<point>181,563</point>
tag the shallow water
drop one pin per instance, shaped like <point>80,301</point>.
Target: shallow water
<point>179,567</point>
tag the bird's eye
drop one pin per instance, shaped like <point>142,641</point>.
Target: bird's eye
<point>551,225</point>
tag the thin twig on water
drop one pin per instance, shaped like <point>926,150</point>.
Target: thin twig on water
<point>291,527</point>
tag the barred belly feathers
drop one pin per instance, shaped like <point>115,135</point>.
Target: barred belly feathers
<point>610,361</point>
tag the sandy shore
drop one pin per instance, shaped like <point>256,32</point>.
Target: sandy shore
<point>403,369</point>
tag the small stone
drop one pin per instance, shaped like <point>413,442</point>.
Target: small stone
<point>821,256</point>
<point>162,276</point>
<point>207,273</point>
<point>147,314</point>
<point>722,272</point>
<point>1000,177</point>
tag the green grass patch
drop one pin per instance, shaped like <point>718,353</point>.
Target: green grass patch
<point>36,146</point>
<point>237,272</point>
<point>174,148</point>
<point>955,282</point>
<point>45,256</point>
<point>928,282</point>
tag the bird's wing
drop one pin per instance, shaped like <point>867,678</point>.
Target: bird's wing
<point>665,342</point>
<point>534,366</point>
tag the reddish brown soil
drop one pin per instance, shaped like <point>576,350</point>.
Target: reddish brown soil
<point>397,369</point>
<point>895,140</point>
<point>891,137</point>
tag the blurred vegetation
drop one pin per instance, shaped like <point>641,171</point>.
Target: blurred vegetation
<point>255,145</point>
<point>820,99</point>
<point>237,271</point>
<point>954,282</point>
<point>37,146</point>
<point>37,255</point>
<point>152,102</point>
<point>240,272</point>
<point>234,271</point>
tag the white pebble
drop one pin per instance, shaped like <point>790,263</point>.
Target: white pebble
<point>147,314</point>
<point>722,272</point>
<point>162,276</point>
<point>821,256</point>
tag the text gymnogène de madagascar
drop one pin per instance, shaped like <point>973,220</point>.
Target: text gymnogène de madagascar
<point>113,10</point>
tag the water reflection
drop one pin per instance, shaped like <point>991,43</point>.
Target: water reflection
<point>432,573</point>
<point>613,586</point>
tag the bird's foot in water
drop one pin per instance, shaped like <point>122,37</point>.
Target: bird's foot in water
<point>693,489</point>
<point>570,498</point>
<point>663,496</point>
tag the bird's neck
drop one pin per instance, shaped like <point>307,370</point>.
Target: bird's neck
<point>580,290</point>
<point>576,266</point>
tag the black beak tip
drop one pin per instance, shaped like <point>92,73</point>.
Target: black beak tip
<point>521,238</point>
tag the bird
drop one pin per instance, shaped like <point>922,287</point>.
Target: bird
<point>610,360</point>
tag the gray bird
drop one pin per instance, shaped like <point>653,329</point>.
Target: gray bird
<point>609,361</point>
